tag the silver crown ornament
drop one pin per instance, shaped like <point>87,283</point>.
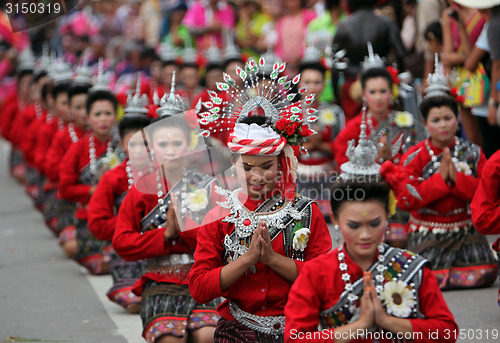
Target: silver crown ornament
<point>84,72</point>
<point>171,104</point>
<point>136,104</point>
<point>373,60</point>
<point>361,165</point>
<point>437,83</point>
<point>102,80</point>
<point>26,61</point>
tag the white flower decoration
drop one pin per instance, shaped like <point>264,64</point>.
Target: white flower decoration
<point>404,119</point>
<point>327,117</point>
<point>379,278</point>
<point>463,167</point>
<point>197,200</point>
<point>341,256</point>
<point>300,238</point>
<point>346,277</point>
<point>343,266</point>
<point>352,297</point>
<point>379,289</point>
<point>398,299</point>
<point>348,287</point>
<point>380,268</point>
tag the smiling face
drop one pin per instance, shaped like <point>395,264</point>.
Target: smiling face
<point>101,118</point>
<point>442,125</point>
<point>363,225</point>
<point>170,145</point>
<point>378,95</point>
<point>257,174</point>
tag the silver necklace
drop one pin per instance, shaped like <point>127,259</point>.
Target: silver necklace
<point>433,156</point>
<point>130,175</point>
<point>38,110</point>
<point>92,151</point>
<point>72,133</point>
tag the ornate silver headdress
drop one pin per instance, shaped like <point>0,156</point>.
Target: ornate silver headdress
<point>84,72</point>
<point>437,83</point>
<point>189,56</point>
<point>272,94</point>
<point>167,52</point>
<point>43,62</point>
<point>311,55</point>
<point>26,61</point>
<point>213,55</point>
<point>101,80</point>
<point>372,60</point>
<point>136,104</point>
<point>361,165</point>
<point>59,70</point>
<point>231,51</point>
<point>171,104</point>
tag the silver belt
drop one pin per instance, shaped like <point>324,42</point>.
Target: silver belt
<point>271,325</point>
<point>424,227</point>
<point>170,260</point>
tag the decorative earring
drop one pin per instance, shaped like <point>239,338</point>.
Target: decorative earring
<point>233,171</point>
<point>338,235</point>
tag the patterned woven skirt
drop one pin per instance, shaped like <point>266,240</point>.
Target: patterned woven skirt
<point>51,211</point>
<point>17,164</point>
<point>169,309</point>
<point>460,257</point>
<point>397,235</point>
<point>90,250</point>
<point>32,183</point>
<point>124,274</point>
<point>232,331</point>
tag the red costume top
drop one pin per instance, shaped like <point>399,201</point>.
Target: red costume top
<point>72,164</point>
<point>58,147</point>
<point>319,287</point>
<point>136,239</point>
<point>29,140</point>
<point>102,205</point>
<point>437,201</point>
<point>8,111</point>
<point>485,204</point>
<point>263,293</point>
<point>46,132</point>
<point>22,120</point>
<point>391,127</point>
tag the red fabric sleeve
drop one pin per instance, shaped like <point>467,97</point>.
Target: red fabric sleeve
<point>303,307</point>
<point>466,185</point>
<point>204,277</point>
<point>42,145</point>
<point>485,209</point>
<point>69,187</point>
<point>101,209</point>
<point>438,318</point>
<point>128,241</point>
<point>8,112</point>
<point>53,157</point>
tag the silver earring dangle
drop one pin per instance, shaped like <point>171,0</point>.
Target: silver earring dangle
<point>151,162</point>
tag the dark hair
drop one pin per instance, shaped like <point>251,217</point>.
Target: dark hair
<point>132,124</point>
<point>213,66</point>
<point>438,101</point>
<point>347,191</point>
<point>60,87</point>
<point>78,88</point>
<point>38,75</point>
<point>331,4</point>
<point>229,61</point>
<point>167,63</point>
<point>46,90</point>
<point>23,73</point>
<point>434,31</point>
<point>355,5</point>
<point>313,65</point>
<point>169,122</point>
<point>373,73</point>
<point>100,95</point>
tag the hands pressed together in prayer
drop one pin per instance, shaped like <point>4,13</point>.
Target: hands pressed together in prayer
<point>448,170</point>
<point>260,249</point>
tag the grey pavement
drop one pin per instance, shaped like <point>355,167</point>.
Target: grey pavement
<point>46,297</point>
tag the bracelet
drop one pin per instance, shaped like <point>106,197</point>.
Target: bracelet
<point>492,102</point>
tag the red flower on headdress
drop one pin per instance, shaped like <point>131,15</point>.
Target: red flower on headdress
<point>280,124</point>
<point>305,131</point>
<point>459,98</point>
<point>394,74</point>
<point>289,130</point>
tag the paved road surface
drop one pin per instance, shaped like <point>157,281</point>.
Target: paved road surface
<point>46,297</point>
